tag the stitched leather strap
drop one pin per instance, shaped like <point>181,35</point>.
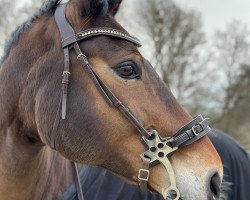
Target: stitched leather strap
<point>191,132</point>
<point>64,27</point>
<point>107,94</point>
<point>144,174</point>
<point>65,83</point>
<point>65,31</point>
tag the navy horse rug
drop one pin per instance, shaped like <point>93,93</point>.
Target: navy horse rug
<point>99,184</point>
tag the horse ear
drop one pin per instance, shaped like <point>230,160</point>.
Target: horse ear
<point>114,6</point>
<point>95,7</point>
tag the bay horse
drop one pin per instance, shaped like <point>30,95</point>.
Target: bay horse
<point>44,127</point>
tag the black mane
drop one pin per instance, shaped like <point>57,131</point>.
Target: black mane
<point>47,6</point>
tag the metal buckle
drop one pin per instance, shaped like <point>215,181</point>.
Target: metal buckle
<point>80,56</point>
<point>142,173</point>
<point>66,73</point>
<point>194,131</point>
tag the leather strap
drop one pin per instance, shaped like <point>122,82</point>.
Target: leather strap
<point>191,132</point>
<point>64,27</point>
<point>65,83</point>
<point>77,182</point>
<point>65,31</point>
<point>144,174</point>
<point>107,94</point>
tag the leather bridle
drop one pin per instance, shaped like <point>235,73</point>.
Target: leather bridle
<point>158,149</point>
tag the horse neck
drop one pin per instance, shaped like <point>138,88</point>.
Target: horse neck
<point>29,170</point>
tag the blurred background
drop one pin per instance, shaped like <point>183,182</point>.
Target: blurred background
<point>201,50</point>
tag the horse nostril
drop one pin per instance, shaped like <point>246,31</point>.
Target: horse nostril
<point>215,182</point>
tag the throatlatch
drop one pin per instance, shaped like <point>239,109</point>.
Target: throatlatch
<point>159,149</point>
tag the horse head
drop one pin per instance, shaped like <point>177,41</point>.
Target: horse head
<point>92,132</point>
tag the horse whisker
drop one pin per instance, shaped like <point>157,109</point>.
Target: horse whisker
<point>225,188</point>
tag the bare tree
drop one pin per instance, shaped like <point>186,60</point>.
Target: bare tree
<point>6,9</point>
<point>12,16</point>
<point>177,44</point>
<point>237,117</point>
<point>233,53</point>
<point>176,35</point>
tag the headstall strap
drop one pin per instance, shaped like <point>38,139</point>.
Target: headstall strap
<point>65,31</point>
<point>77,181</point>
<point>108,95</point>
<point>143,175</point>
<point>159,149</point>
<point>65,82</point>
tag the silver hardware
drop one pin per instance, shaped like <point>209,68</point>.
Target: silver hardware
<point>80,56</point>
<point>143,171</point>
<point>66,73</point>
<point>160,154</point>
<point>110,32</point>
<point>194,131</point>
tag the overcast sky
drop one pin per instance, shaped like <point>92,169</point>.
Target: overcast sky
<point>217,13</point>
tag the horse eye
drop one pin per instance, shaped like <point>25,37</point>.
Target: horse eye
<point>128,70</point>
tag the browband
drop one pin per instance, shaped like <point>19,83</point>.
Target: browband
<point>102,31</point>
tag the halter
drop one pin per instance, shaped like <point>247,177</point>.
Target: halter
<point>158,149</point>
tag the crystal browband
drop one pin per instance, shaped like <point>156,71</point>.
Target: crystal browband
<point>99,32</point>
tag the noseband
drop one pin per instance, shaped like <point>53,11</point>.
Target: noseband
<point>158,149</point>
